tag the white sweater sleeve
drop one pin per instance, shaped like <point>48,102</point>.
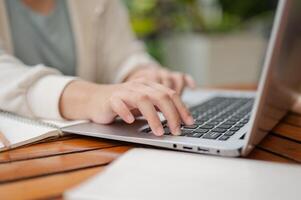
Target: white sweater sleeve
<point>32,91</point>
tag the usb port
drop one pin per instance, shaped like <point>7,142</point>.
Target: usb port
<point>202,149</point>
<point>187,148</point>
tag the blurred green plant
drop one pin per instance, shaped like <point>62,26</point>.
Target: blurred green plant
<point>151,19</point>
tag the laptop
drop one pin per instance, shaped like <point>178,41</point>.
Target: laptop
<point>229,123</point>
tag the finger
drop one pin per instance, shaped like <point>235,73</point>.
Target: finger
<point>181,107</point>
<point>166,106</point>
<point>155,78</point>
<point>170,113</point>
<point>179,81</point>
<point>150,77</point>
<point>121,109</point>
<point>149,112</point>
<point>146,108</point>
<point>167,81</point>
<point>190,81</point>
<point>183,110</point>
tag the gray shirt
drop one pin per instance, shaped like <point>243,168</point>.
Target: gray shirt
<point>40,39</point>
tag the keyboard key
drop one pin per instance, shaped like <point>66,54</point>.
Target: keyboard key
<point>234,119</point>
<point>164,122</point>
<point>207,126</point>
<point>199,122</point>
<point>240,115</point>
<point>239,125</point>
<point>219,120</point>
<point>186,131</point>
<point>212,135</point>
<point>230,133</point>
<point>190,134</point>
<point>224,137</point>
<point>194,126</point>
<point>196,135</point>
<point>213,123</point>
<point>219,130</point>
<point>146,130</point>
<point>216,121</point>
<point>231,123</point>
<point>203,118</point>
<point>235,128</point>
<point>200,130</point>
<point>166,131</point>
<point>245,121</point>
<point>225,126</point>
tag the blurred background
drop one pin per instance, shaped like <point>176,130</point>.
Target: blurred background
<point>218,42</point>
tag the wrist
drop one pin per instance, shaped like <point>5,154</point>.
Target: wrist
<point>136,73</point>
<point>75,101</point>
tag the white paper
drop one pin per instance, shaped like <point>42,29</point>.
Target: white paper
<point>65,123</point>
<point>21,130</point>
<point>17,131</point>
<point>155,174</point>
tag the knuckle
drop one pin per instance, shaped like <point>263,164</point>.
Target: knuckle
<point>170,78</point>
<point>149,82</point>
<point>187,76</point>
<point>142,97</point>
<point>163,70</point>
<point>163,96</point>
<point>132,83</point>
<point>142,80</point>
<point>180,75</point>
<point>136,81</point>
<point>114,96</point>
<point>173,94</point>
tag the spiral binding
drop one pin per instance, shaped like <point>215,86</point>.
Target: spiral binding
<point>27,120</point>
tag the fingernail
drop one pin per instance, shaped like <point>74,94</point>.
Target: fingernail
<point>130,118</point>
<point>177,131</point>
<point>159,132</point>
<point>190,120</point>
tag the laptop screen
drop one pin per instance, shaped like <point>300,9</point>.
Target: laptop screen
<point>279,86</point>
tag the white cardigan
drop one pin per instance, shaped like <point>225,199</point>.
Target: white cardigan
<point>107,51</point>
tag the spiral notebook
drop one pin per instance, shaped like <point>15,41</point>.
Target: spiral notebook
<point>16,131</point>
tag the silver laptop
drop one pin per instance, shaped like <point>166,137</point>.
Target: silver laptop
<point>230,123</point>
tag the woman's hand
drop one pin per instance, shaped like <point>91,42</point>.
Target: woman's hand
<point>103,103</point>
<point>173,80</point>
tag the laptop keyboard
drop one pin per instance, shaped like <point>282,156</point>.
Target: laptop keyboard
<point>218,118</point>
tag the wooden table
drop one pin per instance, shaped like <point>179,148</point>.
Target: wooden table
<point>46,170</point>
